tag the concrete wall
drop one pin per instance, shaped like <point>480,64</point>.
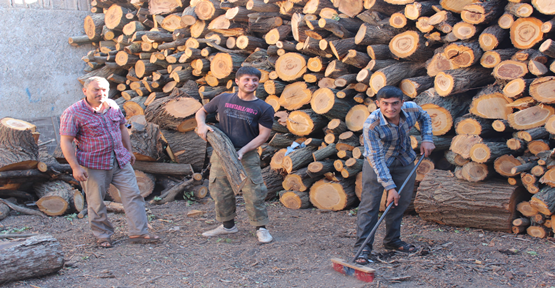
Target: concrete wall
<point>38,68</point>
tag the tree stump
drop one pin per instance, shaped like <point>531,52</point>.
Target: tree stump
<point>443,199</point>
<point>30,258</point>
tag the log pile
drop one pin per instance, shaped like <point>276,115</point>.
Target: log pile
<point>480,69</point>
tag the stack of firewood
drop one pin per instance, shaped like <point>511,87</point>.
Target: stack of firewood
<point>480,69</point>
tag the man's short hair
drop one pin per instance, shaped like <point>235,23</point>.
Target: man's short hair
<point>98,79</point>
<point>389,92</point>
<point>247,70</point>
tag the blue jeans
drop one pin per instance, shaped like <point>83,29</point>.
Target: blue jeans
<point>371,196</point>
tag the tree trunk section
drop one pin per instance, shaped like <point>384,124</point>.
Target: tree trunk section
<point>443,199</point>
<point>56,197</point>
<point>188,148</point>
<point>332,195</point>
<point>273,181</point>
<point>169,169</point>
<point>30,258</point>
<point>18,147</point>
<point>294,199</point>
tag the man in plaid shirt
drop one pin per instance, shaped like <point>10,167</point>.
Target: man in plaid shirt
<point>390,159</point>
<point>103,155</point>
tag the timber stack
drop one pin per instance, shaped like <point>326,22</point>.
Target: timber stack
<point>482,70</point>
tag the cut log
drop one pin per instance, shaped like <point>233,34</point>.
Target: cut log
<point>224,64</point>
<point>304,122</point>
<point>356,116</point>
<point>294,199</point>
<point>18,147</point>
<point>235,172</point>
<point>443,199</point>
<point>57,198</point>
<point>378,52</point>
<point>169,169</point>
<point>297,159</point>
<point>443,110</point>
<point>529,118</point>
<point>510,70</point>
<point>115,17</point>
<point>469,124</point>
<point>277,160</point>
<point>175,113</point>
<point>544,201</point>
<point>325,102</point>
<point>392,75</point>
<point>273,182</point>
<point>542,89</point>
<point>481,12</point>
<point>335,196</point>
<point>187,147</point>
<point>295,96</point>
<point>412,87</point>
<point>30,258</point>
<point>411,46</point>
<point>490,103</point>
<point>487,152</point>
<point>460,80</point>
<point>462,144</point>
<point>463,54</point>
<point>504,164</point>
<point>476,172</point>
<point>299,180</point>
<point>324,153</point>
<point>374,35</point>
<point>441,143</point>
<point>169,194</point>
<point>526,32</point>
<point>516,88</point>
<point>291,66</point>
<point>146,140</point>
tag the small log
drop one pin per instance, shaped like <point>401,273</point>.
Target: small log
<point>411,46</point>
<point>294,199</point>
<point>526,209</point>
<point>187,147</point>
<point>331,195</point>
<point>460,80</point>
<point>304,122</point>
<point>297,159</point>
<point>298,180</point>
<point>356,116</point>
<point>393,74</point>
<point>487,152</point>
<point>325,102</point>
<point>58,197</point>
<point>170,169</point>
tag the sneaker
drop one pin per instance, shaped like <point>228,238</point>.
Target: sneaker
<point>264,235</point>
<point>220,230</point>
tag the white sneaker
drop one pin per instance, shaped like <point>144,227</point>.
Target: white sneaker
<point>220,230</point>
<point>264,235</point>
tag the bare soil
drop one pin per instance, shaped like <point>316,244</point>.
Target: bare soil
<point>305,240</point>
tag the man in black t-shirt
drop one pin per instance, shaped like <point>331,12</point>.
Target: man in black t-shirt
<point>247,121</point>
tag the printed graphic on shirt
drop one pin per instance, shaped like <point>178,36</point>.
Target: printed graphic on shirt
<point>240,112</point>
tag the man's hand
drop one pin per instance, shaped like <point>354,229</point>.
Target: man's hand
<point>426,148</point>
<point>202,130</point>
<point>80,174</point>
<point>133,158</point>
<point>392,196</point>
<point>240,154</point>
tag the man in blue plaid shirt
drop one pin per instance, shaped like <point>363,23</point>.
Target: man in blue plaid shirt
<point>390,161</point>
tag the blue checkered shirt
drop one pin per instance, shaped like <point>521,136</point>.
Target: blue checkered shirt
<point>384,142</point>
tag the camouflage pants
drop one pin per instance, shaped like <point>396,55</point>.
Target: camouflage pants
<point>254,191</point>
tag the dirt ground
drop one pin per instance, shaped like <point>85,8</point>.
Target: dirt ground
<point>305,240</point>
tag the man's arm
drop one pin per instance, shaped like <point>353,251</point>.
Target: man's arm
<point>69,153</point>
<point>202,128</point>
<point>126,140</point>
<point>427,145</point>
<point>263,135</point>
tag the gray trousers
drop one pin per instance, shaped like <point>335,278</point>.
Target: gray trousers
<point>254,191</point>
<point>95,189</point>
<point>367,215</point>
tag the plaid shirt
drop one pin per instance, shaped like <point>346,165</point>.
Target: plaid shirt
<point>384,142</point>
<point>97,135</point>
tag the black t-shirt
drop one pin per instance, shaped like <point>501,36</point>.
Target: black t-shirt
<point>239,119</point>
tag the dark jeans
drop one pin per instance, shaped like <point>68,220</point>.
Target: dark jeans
<point>371,196</point>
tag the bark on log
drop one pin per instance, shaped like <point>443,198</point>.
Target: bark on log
<point>175,113</point>
<point>273,181</point>
<point>297,159</point>
<point>460,80</point>
<point>18,147</point>
<point>298,181</point>
<point>146,140</point>
<point>487,152</point>
<point>169,169</point>
<point>188,148</point>
<point>443,110</point>
<point>29,258</point>
<point>393,74</point>
<point>443,199</point>
<point>411,46</point>
<point>544,201</point>
<point>58,197</point>
<point>304,122</point>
